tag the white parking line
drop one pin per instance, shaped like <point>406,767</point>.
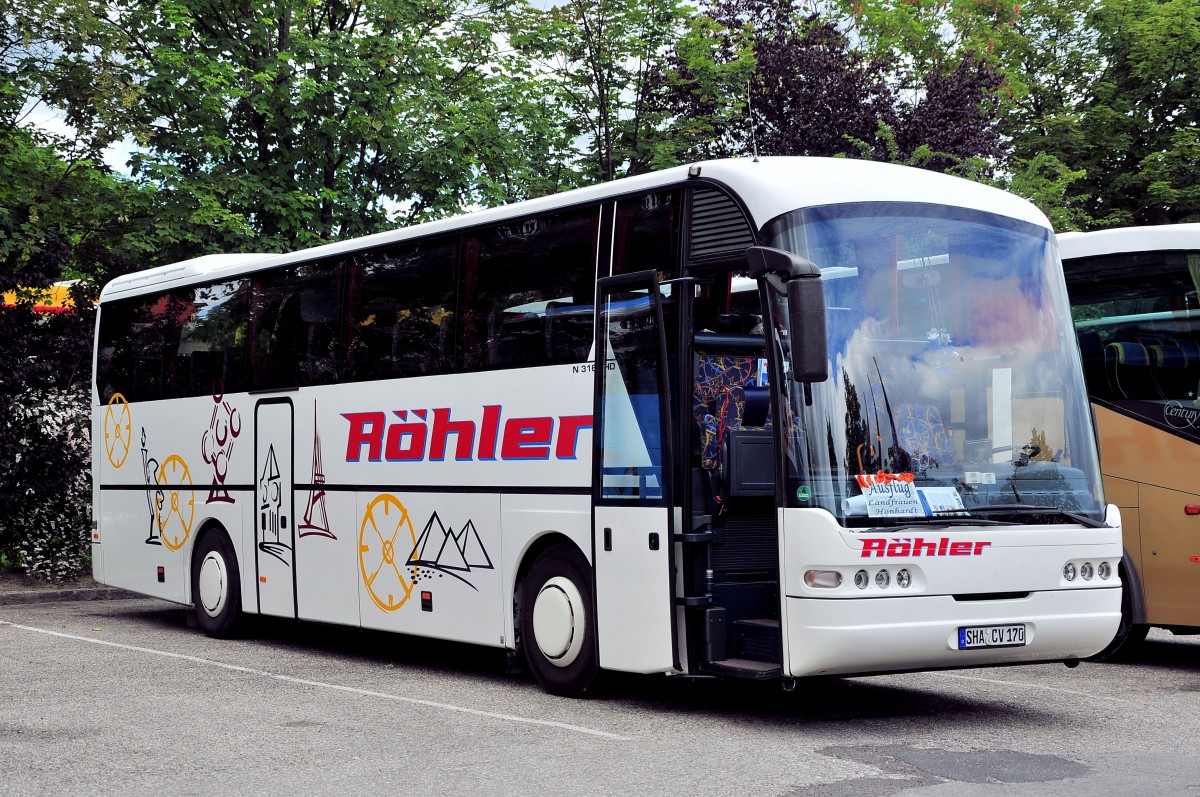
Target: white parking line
<point>1027,685</point>
<point>322,685</point>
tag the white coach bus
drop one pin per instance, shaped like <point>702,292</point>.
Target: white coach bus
<point>564,428</point>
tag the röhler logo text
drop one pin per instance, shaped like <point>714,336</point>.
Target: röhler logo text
<point>882,546</point>
<point>413,436</point>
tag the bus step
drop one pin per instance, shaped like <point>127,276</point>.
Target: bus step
<point>757,640</point>
<point>743,668</point>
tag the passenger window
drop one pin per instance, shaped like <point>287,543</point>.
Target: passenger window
<point>295,339</point>
<point>402,311</point>
<point>647,235</point>
<point>211,357</point>
<point>138,341</point>
<point>528,288</point>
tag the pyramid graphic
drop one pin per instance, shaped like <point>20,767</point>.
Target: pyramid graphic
<point>473,552</point>
<point>440,548</point>
<point>420,552</point>
<point>449,556</point>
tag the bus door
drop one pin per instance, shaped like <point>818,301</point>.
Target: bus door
<point>274,513</point>
<point>632,507</point>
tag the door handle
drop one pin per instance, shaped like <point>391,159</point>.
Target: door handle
<point>654,540</point>
<point>608,539</point>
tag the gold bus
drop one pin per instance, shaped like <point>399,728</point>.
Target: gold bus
<point>1134,300</point>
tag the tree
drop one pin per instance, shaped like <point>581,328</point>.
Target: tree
<point>63,215</point>
<point>1102,108</point>
<point>1141,117</point>
<point>277,124</point>
<point>705,91</point>
<point>48,227</point>
<point>599,60</point>
<point>812,91</point>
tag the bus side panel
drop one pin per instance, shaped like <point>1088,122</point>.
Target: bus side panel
<point>1170,538</point>
<point>525,519</point>
<point>429,564</point>
<point>132,559</point>
<point>1133,450</point>
<point>98,454</point>
<point>327,580</point>
<point>1124,495</point>
<point>1149,473</point>
<point>164,470</point>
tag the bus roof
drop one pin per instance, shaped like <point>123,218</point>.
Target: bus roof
<point>1157,238</point>
<point>768,186</point>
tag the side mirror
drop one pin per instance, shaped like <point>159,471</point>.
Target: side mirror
<point>806,328</point>
<point>806,308</point>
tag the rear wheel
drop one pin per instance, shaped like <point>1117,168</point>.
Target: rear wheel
<point>216,588</point>
<point>558,632</point>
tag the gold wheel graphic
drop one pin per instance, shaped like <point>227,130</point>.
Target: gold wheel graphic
<point>386,530</point>
<point>118,430</point>
<point>176,511</point>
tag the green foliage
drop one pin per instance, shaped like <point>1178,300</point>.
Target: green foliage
<point>1111,92</point>
<point>1052,186</point>
<point>922,36</point>
<point>706,87</point>
<point>771,77</point>
<point>600,61</point>
<point>48,486</point>
<point>277,124</point>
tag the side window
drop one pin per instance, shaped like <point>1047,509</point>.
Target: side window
<point>528,288</point>
<point>211,357</point>
<point>402,311</point>
<point>138,341</point>
<point>647,235</point>
<point>1137,323</point>
<point>294,340</point>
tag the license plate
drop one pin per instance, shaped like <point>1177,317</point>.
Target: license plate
<point>991,636</point>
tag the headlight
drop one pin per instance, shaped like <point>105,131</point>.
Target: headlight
<point>1085,571</point>
<point>1069,571</point>
<point>882,579</point>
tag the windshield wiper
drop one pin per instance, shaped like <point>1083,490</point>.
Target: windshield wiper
<point>1033,509</point>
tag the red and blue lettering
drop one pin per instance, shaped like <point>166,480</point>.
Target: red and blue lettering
<point>412,436</point>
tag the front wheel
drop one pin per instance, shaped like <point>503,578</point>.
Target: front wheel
<point>1129,634</point>
<point>216,588</point>
<point>558,632</point>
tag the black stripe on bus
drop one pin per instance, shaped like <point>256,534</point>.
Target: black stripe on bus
<point>376,488</point>
<point>233,488</point>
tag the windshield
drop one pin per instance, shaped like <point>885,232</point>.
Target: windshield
<point>955,384</point>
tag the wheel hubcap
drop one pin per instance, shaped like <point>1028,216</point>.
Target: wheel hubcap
<point>559,621</point>
<point>214,584</point>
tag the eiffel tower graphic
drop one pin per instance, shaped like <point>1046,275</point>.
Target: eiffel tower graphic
<point>316,517</point>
